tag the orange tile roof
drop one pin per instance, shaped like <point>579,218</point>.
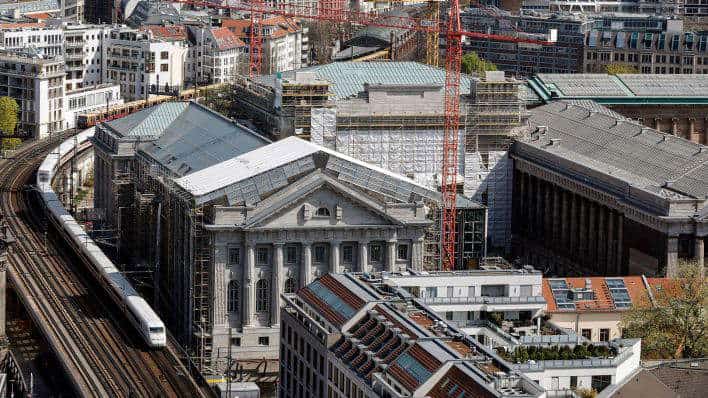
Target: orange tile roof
<point>226,39</point>
<point>39,15</point>
<point>285,26</point>
<point>22,25</point>
<point>603,299</point>
<point>172,32</point>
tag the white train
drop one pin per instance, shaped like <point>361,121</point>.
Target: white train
<point>141,315</point>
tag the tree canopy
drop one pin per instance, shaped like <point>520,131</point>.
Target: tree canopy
<point>673,324</point>
<point>620,69</point>
<point>472,63</point>
<point>8,121</point>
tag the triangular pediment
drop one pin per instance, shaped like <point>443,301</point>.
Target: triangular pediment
<point>318,201</point>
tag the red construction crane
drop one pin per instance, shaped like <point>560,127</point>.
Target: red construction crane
<point>334,11</point>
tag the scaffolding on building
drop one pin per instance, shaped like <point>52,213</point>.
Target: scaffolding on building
<point>298,100</point>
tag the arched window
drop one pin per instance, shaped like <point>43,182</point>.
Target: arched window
<point>290,285</point>
<point>322,212</point>
<point>262,296</point>
<point>233,299</point>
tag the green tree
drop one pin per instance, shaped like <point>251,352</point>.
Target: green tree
<point>620,69</point>
<point>673,324</point>
<point>472,63</point>
<point>8,121</point>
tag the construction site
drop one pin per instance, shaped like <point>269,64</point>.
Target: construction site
<point>391,114</point>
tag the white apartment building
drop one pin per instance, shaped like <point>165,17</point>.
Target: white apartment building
<point>142,63</point>
<point>85,55</point>
<point>282,42</point>
<point>90,99</point>
<point>37,84</point>
<point>45,40</point>
<point>500,299</point>
<point>216,56</point>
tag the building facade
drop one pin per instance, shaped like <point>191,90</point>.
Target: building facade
<point>521,58</point>
<point>341,337</point>
<point>604,206</point>
<point>90,99</point>
<point>669,52</point>
<point>36,83</point>
<point>85,53</point>
<point>231,243</point>
<point>282,42</point>
<point>143,64</point>
<point>38,37</point>
<point>354,335</point>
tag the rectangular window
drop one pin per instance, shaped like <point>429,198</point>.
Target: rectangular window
<point>587,333</point>
<point>604,334</point>
<point>291,254</point>
<point>234,255</point>
<point>402,252</point>
<point>164,67</point>
<point>236,341</point>
<point>164,55</point>
<point>262,255</point>
<point>320,253</point>
<point>348,254</point>
<point>263,340</point>
<point>431,292</point>
<point>525,290</point>
<point>375,252</point>
<point>573,382</point>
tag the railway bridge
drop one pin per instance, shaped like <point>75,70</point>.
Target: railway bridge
<point>96,345</point>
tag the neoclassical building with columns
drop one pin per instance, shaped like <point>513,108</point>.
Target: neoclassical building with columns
<point>229,221</point>
<point>598,194</point>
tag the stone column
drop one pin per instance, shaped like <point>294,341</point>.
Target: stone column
<point>573,247</point>
<point>530,205</point>
<point>692,130</point>
<point>601,263</point>
<point>565,221</point>
<point>364,256</point>
<point>417,254</point>
<point>248,288</point>
<point>591,243</point>
<point>306,265</point>
<point>611,248</point>
<point>391,255</point>
<point>521,201</point>
<point>547,214</point>
<point>656,123</point>
<point>582,233</point>
<point>620,243</point>
<point>538,228</point>
<point>674,126</point>
<point>699,250</point>
<point>555,234</point>
<point>334,256</point>
<point>277,277</point>
<point>671,256</point>
<point>220,283</point>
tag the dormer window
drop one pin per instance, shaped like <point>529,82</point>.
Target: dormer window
<point>322,212</point>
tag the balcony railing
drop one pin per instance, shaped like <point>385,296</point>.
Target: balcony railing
<point>485,300</point>
<point>574,363</point>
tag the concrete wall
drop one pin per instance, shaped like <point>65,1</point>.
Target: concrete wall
<point>590,320</point>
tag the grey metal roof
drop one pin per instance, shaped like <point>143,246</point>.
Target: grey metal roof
<point>252,176</point>
<point>627,85</point>
<point>348,78</point>
<point>185,137</point>
<point>667,166</point>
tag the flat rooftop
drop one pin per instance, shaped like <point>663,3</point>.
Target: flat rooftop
<point>622,89</point>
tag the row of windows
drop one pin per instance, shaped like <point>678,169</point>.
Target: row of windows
<point>263,255</point>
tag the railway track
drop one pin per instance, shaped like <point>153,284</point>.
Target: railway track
<point>97,346</point>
